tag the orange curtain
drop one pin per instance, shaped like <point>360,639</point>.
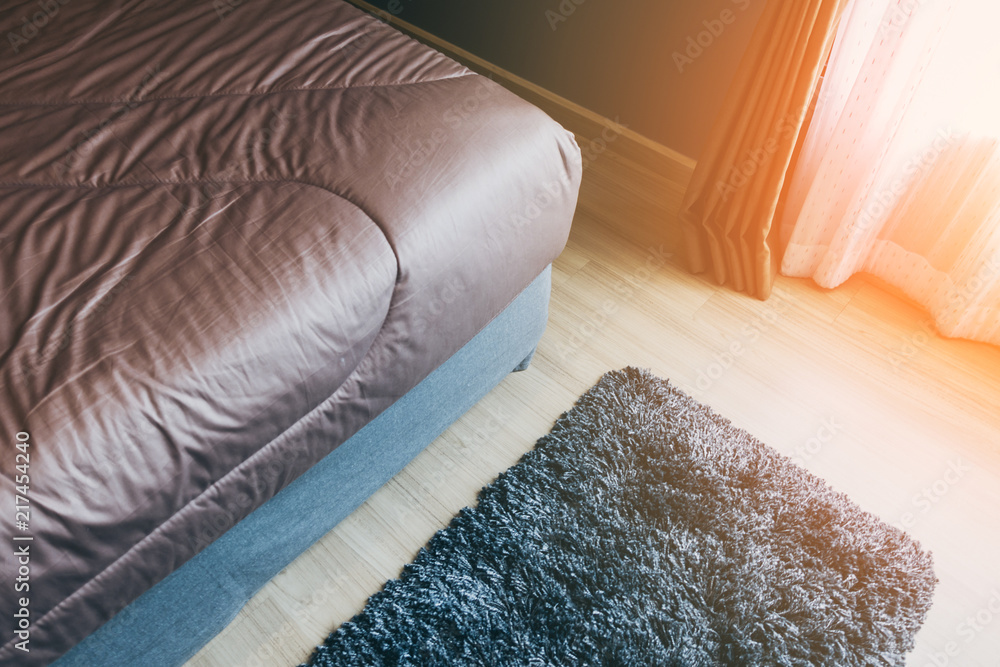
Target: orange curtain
<point>734,192</point>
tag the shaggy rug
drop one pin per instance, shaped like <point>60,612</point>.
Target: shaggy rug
<point>647,530</point>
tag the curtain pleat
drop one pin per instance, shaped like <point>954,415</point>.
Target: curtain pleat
<point>730,204</point>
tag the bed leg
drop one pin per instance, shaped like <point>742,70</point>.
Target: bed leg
<point>523,366</point>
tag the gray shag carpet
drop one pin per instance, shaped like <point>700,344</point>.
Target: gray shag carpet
<point>647,530</point>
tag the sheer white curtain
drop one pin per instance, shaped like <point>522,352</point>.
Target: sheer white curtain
<point>899,172</point>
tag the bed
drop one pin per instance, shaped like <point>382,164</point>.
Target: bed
<point>251,253</point>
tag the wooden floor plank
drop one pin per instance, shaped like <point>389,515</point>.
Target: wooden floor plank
<point>808,357</point>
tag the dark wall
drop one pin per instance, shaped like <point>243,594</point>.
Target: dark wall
<point>635,60</point>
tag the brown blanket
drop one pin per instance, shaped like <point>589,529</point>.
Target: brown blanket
<point>230,236</point>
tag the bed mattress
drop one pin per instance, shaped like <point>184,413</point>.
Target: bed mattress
<point>231,234</point>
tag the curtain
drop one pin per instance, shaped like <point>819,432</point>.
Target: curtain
<point>730,205</point>
<point>898,174</point>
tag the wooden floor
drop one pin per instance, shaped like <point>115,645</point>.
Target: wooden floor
<point>852,382</point>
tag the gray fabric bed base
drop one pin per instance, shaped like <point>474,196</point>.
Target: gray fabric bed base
<point>174,619</point>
